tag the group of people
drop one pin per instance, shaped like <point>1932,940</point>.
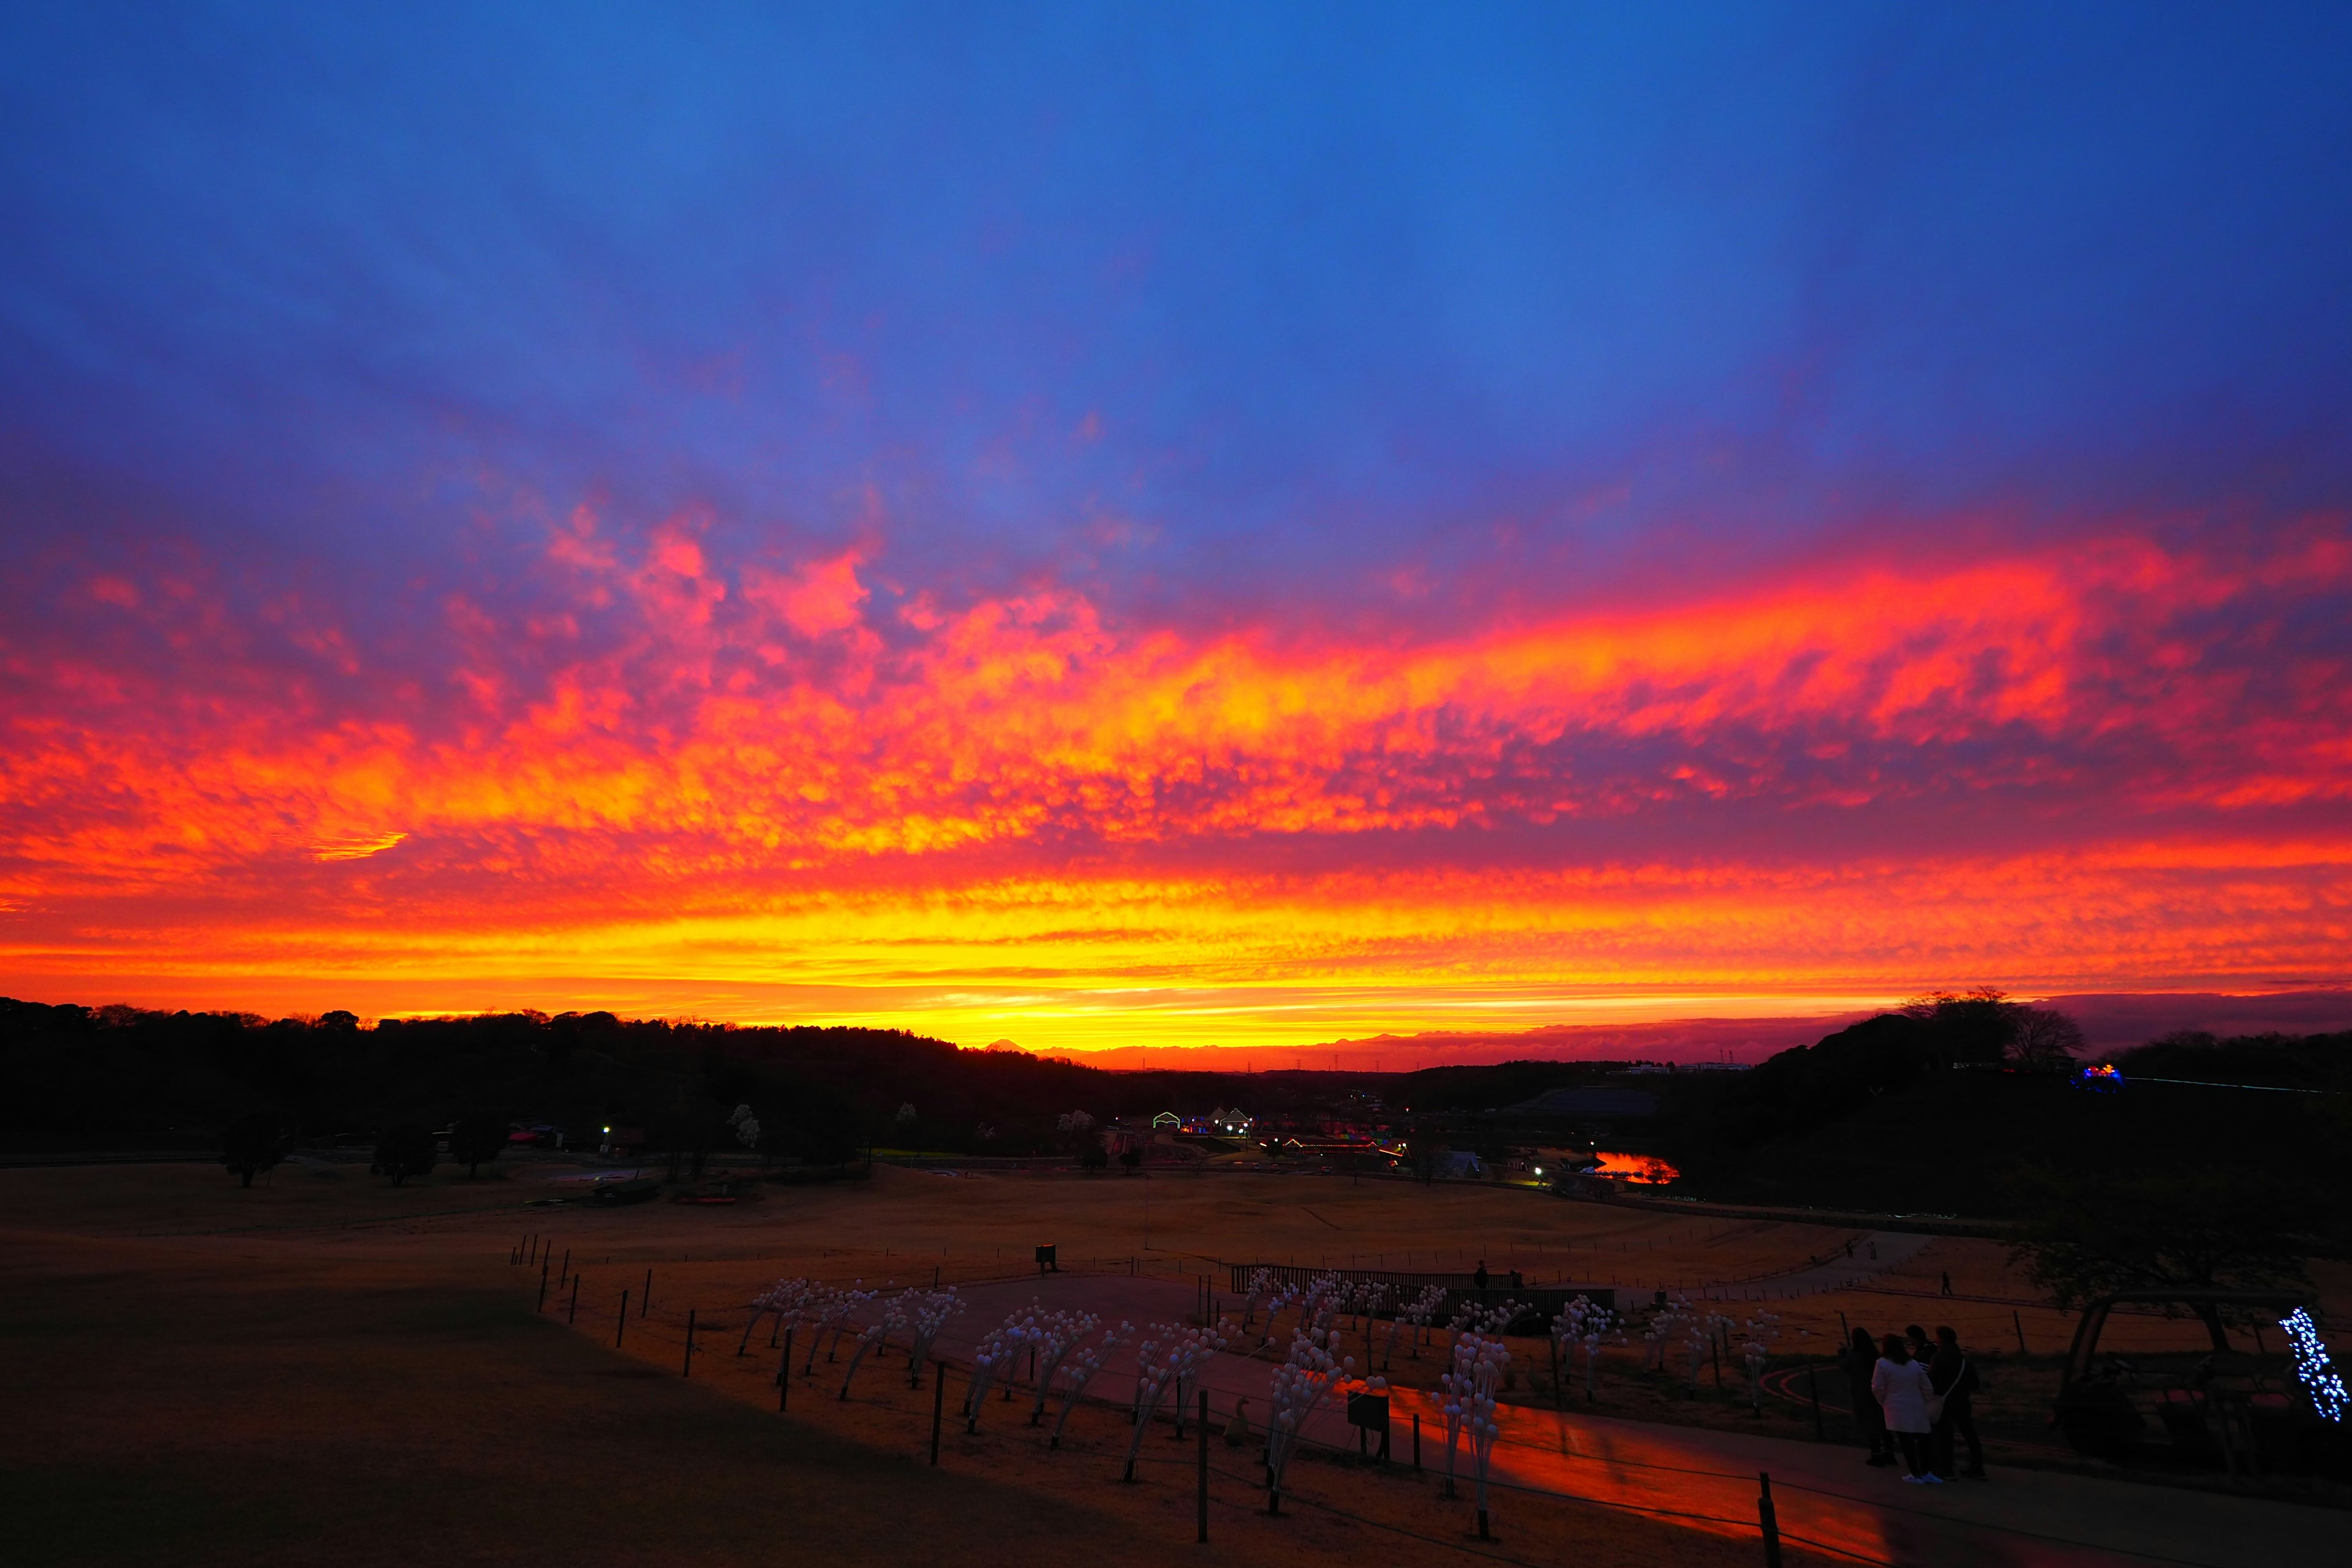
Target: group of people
<point>1916,1397</point>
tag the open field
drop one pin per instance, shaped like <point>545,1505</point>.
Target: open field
<point>325,1367</point>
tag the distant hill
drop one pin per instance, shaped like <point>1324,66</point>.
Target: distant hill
<point>1874,1116</point>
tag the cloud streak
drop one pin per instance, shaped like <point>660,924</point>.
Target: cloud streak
<point>2039,768</point>
<point>1253,529</point>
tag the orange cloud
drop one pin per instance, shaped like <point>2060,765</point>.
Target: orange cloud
<point>2099,766</point>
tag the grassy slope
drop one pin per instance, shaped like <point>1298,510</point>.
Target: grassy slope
<point>386,1396</point>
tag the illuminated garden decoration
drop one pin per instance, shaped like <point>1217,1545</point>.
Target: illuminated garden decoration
<point>1663,1327</point>
<point>1081,1366</point>
<point>1491,1360</point>
<point>1199,1344</point>
<point>1420,1312</point>
<point>1171,1361</point>
<point>1584,1322</point>
<point>926,1313</point>
<point>875,1335</point>
<point>1698,1337</point>
<point>1299,1384</point>
<point>1756,1335</point>
<point>1260,1287</point>
<point>1057,1335</point>
<point>830,1309</point>
<point>2312,1367</point>
<point>995,1358</point>
<point>1478,1362</point>
<point>2100,1078</point>
<point>784,1298</point>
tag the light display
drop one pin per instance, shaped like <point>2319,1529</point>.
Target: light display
<point>2312,1366</point>
<point>2100,1078</point>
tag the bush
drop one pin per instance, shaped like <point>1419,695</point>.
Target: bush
<point>255,1143</point>
<point>408,1149</point>
<point>476,1140</point>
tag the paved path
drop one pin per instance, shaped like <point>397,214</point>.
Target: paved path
<point>1825,1494</point>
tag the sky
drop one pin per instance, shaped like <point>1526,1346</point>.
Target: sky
<point>1187,526</point>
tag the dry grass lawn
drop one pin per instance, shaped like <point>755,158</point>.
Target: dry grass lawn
<point>325,1368</point>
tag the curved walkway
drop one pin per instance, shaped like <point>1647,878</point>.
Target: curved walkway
<point>1825,1497</point>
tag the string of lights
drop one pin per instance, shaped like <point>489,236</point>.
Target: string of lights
<point>2312,1366</point>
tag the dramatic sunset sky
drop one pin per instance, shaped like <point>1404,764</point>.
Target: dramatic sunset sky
<point>1175,526</point>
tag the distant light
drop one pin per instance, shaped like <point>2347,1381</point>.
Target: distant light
<point>1538,1170</point>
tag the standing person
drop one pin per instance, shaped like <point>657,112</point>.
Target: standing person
<point>1948,1281</point>
<point>1901,1383</point>
<point>1915,1337</point>
<point>1954,1376</point>
<point>1481,1278</point>
<point>1857,1361</point>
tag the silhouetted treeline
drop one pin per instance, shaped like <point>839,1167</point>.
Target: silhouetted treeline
<point>82,1078</point>
<point>1911,1112</point>
<point>1929,1109</point>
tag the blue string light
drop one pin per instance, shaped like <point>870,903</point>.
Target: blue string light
<point>2100,1078</point>
<point>2311,1365</point>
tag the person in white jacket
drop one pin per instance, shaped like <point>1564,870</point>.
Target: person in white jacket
<point>1901,1385</point>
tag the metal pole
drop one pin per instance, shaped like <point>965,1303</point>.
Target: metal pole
<point>572,1313</point>
<point>1813,1383</point>
<point>621,1327</point>
<point>784,1375</point>
<point>1416,1444</point>
<point>648,1302</point>
<point>566,1274</point>
<point>1770,1525</point>
<point>688,1371</point>
<point>1203,1508</point>
<point>542,1285</point>
<point>2020,1329</point>
<point>939,1403</point>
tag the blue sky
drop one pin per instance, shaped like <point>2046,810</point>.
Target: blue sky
<point>1529,297</point>
<point>1795,498</point>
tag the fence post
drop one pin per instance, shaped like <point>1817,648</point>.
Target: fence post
<point>542,1285</point>
<point>939,1403</point>
<point>1416,1444</point>
<point>646,1301</point>
<point>2020,1323</point>
<point>622,1327</point>
<point>1764,1517</point>
<point>688,1371</point>
<point>1204,1502</point>
<point>1813,1383</point>
<point>572,1313</point>
<point>784,1375</point>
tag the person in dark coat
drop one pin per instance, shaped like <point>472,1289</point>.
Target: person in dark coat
<point>1481,1278</point>
<point>1858,1360</point>
<point>1954,1376</point>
